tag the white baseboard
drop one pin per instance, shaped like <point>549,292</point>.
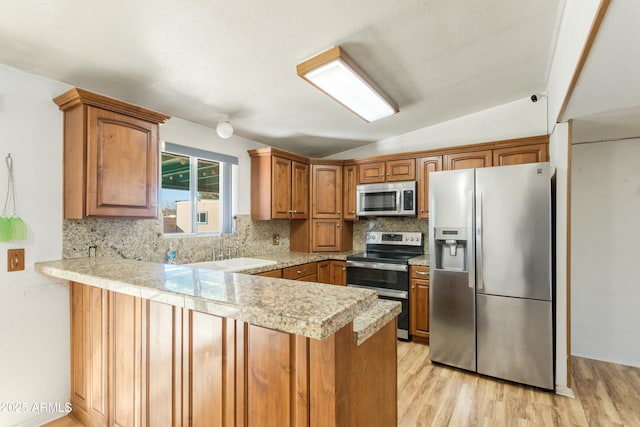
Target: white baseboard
<point>40,420</point>
<point>565,391</point>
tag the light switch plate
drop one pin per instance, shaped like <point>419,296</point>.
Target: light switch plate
<point>15,260</point>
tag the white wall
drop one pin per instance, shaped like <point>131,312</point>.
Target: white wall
<point>576,22</point>
<point>515,119</point>
<point>559,160</point>
<point>182,132</point>
<point>34,310</point>
<point>605,214</point>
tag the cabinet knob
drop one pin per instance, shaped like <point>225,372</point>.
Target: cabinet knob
<point>381,175</point>
<point>301,271</point>
<point>413,287</point>
<point>344,268</point>
<point>338,211</point>
<point>388,174</point>
<point>421,210</point>
<point>352,212</point>
<point>295,211</point>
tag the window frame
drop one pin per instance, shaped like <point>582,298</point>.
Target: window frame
<point>226,164</point>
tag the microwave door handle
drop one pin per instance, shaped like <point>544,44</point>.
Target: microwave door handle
<point>398,201</point>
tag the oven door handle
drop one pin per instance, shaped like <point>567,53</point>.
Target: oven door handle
<point>389,293</point>
<point>378,265</point>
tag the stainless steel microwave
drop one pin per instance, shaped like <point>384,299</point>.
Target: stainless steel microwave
<point>387,199</point>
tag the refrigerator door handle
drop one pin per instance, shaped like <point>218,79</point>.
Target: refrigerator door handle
<point>479,240</point>
<point>470,254</point>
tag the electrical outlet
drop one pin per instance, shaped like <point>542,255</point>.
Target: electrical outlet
<point>15,259</point>
<point>276,239</point>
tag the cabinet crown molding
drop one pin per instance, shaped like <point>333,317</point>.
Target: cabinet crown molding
<point>77,96</point>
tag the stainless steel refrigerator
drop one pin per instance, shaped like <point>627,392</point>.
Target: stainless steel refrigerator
<point>491,294</point>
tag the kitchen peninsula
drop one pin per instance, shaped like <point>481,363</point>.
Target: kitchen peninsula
<point>156,344</point>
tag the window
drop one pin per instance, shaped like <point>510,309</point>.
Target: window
<point>203,217</point>
<point>196,190</point>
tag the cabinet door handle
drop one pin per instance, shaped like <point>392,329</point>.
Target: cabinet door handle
<point>413,286</point>
<point>422,273</point>
<point>337,225</point>
<point>304,270</point>
<point>295,211</point>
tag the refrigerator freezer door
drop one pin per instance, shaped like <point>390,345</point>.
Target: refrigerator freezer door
<point>452,327</point>
<point>452,333</point>
<point>513,216</point>
<point>515,339</point>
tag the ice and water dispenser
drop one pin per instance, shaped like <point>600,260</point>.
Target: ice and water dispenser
<point>451,246</point>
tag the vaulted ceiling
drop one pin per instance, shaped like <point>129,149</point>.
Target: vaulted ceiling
<point>199,59</point>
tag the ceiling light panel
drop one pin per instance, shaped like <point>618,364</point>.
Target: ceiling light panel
<point>339,76</point>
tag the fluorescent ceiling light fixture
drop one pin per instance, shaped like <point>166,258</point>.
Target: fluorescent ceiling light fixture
<point>339,76</point>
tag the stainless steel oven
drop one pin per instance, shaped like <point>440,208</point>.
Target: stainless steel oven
<point>384,267</point>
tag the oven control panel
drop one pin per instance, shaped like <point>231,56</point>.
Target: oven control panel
<point>389,238</point>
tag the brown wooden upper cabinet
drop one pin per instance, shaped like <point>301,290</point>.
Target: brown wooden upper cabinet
<point>279,187</point>
<point>389,171</point>
<point>326,191</point>
<point>349,182</point>
<point>426,165</point>
<point>469,159</point>
<point>110,157</point>
<point>532,153</point>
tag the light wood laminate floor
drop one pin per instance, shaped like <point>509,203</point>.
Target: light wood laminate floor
<point>433,395</point>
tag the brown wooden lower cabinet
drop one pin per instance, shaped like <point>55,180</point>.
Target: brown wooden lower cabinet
<point>136,362</point>
<point>419,302</point>
<point>300,272</point>
<point>273,273</point>
<point>333,272</point>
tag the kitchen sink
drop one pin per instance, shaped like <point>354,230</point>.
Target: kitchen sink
<point>233,264</point>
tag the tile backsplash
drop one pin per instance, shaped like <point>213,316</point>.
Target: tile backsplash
<point>389,223</point>
<point>143,239</point>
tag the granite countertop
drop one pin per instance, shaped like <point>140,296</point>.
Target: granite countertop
<point>313,310</point>
<point>289,259</point>
<point>422,260</point>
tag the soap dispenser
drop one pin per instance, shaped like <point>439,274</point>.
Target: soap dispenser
<point>171,255</point>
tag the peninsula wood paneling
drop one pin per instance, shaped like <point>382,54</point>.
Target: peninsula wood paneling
<point>89,357</point>
<point>126,367</point>
<point>143,363</point>
<point>269,377</point>
<point>205,370</point>
<point>164,397</point>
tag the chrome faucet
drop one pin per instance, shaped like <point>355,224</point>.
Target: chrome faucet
<point>220,253</point>
<point>220,250</point>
